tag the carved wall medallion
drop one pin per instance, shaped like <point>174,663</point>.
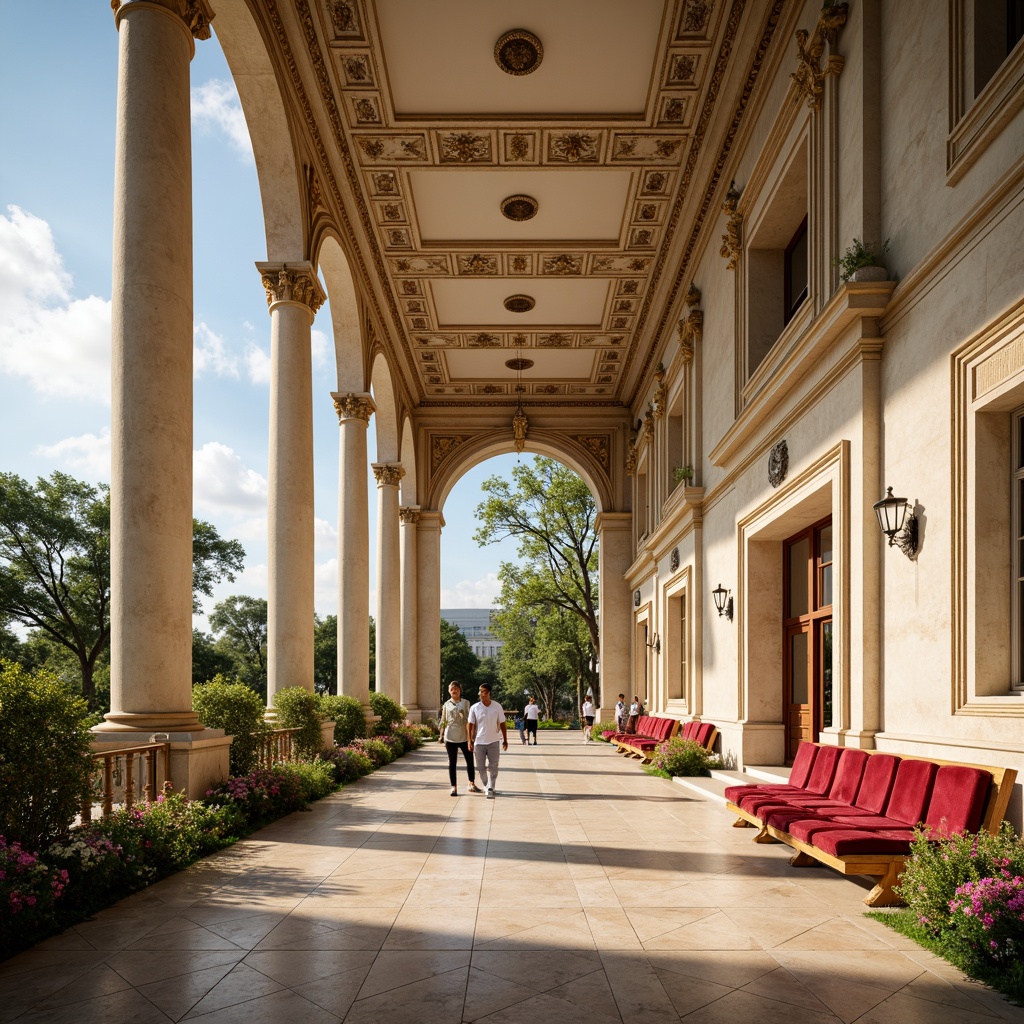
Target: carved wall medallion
<point>636,598</point>
<point>674,559</point>
<point>683,69</point>
<point>778,463</point>
<point>518,52</point>
<point>519,207</point>
<point>366,111</point>
<point>442,445</point>
<point>731,244</point>
<point>519,303</point>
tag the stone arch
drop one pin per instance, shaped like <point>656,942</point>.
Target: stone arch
<point>267,120</point>
<point>478,449</point>
<point>386,415</point>
<point>345,316</point>
<point>408,456</point>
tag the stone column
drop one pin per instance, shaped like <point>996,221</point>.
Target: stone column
<point>428,618</point>
<point>293,295</point>
<point>615,531</point>
<point>389,580</point>
<point>151,393</point>
<point>354,411</point>
<point>410,517</point>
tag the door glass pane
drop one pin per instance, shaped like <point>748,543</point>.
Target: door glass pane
<point>798,555</point>
<point>826,675</point>
<point>798,661</point>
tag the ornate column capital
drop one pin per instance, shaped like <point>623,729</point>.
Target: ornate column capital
<point>731,245</point>
<point>353,407</point>
<point>387,474</point>
<point>409,515</point>
<point>196,14</point>
<point>810,46</point>
<point>294,282</point>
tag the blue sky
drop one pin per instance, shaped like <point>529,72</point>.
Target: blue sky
<point>56,174</point>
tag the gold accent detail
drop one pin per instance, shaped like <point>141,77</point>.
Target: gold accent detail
<point>597,445</point>
<point>658,407</point>
<point>478,264</point>
<point>809,75</point>
<point>353,407</point>
<point>442,445</point>
<point>562,265</point>
<point>343,15</point>
<point>291,285</point>
<point>520,424</point>
<point>731,245</point>
<point>465,148</point>
<point>631,453</point>
<point>573,147</point>
<point>409,515</point>
<point>519,303</point>
<point>518,52</point>
<point>691,327</point>
<point>519,207</point>
<point>387,474</point>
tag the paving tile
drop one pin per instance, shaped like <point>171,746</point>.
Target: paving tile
<point>125,1007</point>
<point>435,1000</point>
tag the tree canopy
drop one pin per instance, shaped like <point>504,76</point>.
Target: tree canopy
<point>457,660</point>
<point>55,563</point>
<point>241,625</point>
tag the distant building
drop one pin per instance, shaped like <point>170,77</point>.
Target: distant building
<point>475,625</point>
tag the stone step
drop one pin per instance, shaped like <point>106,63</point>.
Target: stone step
<point>777,773</point>
<point>711,789</point>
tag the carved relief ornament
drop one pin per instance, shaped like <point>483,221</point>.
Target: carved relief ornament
<point>597,445</point>
<point>658,405</point>
<point>731,244</point>
<point>409,515</point>
<point>388,474</point>
<point>197,14</point>
<point>291,284</point>
<point>691,327</point>
<point>353,407</point>
<point>810,75</point>
<point>442,445</point>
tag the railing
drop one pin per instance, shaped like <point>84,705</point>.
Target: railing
<point>117,771</point>
<point>276,747</point>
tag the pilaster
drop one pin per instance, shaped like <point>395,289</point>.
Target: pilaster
<point>389,579</point>
<point>409,516</point>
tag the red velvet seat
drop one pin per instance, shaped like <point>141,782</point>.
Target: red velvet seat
<point>841,793</point>
<point>911,791</point>
<point>848,842</point>
<point>798,775</point>
<point>957,800</point>
<point>703,733</point>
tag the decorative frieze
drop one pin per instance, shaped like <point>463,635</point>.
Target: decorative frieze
<point>353,407</point>
<point>291,284</point>
<point>731,244</point>
<point>810,46</point>
<point>691,327</point>
<point>387,474</point>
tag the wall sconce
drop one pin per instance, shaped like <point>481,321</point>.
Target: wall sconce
<point>723,601</point>
<point>655,643</point>
<point>897,522</point>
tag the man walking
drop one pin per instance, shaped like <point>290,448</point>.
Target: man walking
<point>487,730</point>
<point>531,713</point>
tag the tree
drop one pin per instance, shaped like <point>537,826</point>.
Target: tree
<point>325,654</point>
<point>55,563</point>
<point>550,511</point>
<point>241,623</point>
<point>457,659</point>
<point>209,659</point>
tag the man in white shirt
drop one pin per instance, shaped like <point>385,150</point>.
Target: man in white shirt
<point>532,714</point>
<point>487,730</point>
<point>589,710</point>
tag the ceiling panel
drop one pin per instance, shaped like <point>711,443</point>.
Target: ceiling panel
<point>480,302</point>
<point>489,364</point>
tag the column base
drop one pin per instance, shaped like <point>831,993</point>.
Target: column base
<point>124,722</point>
<point>197,762</point>
<point>414,714</point>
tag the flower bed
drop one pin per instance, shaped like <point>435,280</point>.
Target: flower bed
<point>965,902</point>
<point>44,892</point>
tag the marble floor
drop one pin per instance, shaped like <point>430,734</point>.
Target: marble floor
<point>585,892</point>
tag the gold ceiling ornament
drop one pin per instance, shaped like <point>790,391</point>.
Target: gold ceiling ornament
<point>520,424</point>
<point>810,75</point>
<point>731,245</point>
<point>519,207</point>
<point>519,303</point>
<point>519,364</point>
<point>691,327</point>
<point>518,52</point>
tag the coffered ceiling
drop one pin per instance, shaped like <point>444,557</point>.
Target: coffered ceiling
<point>590,124</point>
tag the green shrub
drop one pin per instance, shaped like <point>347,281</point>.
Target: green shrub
<point>412,736</point>
<point>45,765</point>
<point>239,711</point>
<point>347,715</point>
<point>349,763</point>
<point>29,891</point>
<point>686,758</point>
<point>388,710</point>
<point>316,776</point>
<point>379,753</point>
<point>299,708</point>
<point>548,723</point>
<point>601,727</point>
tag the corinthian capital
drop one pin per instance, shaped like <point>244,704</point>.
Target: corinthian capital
<point>387,473</point>
<point>197,14</point>
<point>291,283</point>
<point>409,515</point>
<point>353,407</point>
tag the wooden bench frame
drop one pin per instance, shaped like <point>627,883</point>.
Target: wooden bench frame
<point>886,868</point>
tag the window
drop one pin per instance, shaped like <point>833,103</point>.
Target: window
<point>998,27</point>
<point>795,272</point>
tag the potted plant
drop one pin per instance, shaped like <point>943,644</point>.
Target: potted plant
<point>683,473</point>
<point>863,262</point>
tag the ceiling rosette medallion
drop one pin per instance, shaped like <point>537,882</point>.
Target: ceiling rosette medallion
<point>519,208</point>
<point>520,303</point>
<point>518,52</point>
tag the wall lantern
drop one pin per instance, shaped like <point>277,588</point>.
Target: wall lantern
<point>655,643</point>
<point>897,522</point>
<point>723,601</point>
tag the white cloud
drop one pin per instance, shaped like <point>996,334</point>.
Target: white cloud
<point>210,355</point>
<point>320,348</point>
<point>215,107</point>
<point>258,363</point>
<point>325,588</point>
<point>480,593</point>
<point>88,454</point>
<point>222,483</point>
<point>59,344</point>
<point>324,534</point>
